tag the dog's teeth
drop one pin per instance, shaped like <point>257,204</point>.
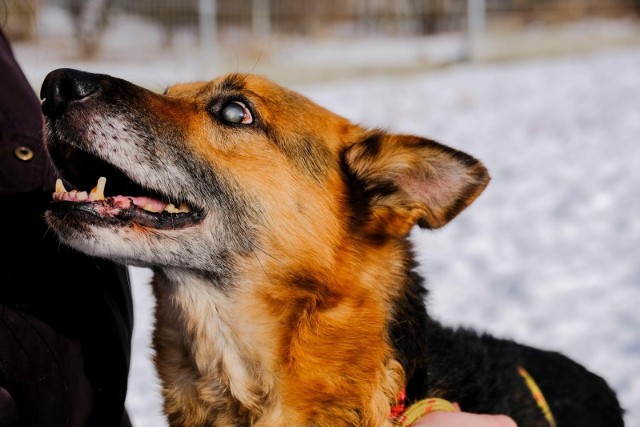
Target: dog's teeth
<point>171,208</point>
<point>97,192</point>
<point>60,186</point>
<point>82,196</point>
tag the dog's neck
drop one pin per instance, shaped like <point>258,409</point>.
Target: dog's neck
<point>251,356</point>
<point>210,342</point>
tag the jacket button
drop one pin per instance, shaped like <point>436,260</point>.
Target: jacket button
<point>23,153</point>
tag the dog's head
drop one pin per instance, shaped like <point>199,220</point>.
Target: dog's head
<point>235,167</point>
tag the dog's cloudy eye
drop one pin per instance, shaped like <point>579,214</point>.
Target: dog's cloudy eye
<point>236,112</point>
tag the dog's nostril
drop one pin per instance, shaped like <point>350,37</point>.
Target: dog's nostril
<point>66,84</point>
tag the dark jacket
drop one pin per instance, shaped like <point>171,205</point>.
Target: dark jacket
<point>65,319</point>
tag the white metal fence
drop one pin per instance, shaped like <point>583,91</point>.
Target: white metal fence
<point>89,20</point>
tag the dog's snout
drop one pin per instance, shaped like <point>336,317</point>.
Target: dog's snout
<point>66,85</point>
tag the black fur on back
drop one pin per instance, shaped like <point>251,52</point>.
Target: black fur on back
<point>480,372</point>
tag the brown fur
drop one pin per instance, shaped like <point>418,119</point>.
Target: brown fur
<point>292,326</point>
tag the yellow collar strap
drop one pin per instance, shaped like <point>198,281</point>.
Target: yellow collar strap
<point>538,396</point>
<point>423,407</point>
<point>404,418</point>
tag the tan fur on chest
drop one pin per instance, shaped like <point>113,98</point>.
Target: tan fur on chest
<point>206,357</point>
<point>237,359</point>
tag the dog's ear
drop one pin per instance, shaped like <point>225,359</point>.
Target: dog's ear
<point>407,180</point>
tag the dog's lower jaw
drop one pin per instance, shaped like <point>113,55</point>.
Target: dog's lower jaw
<point>221,366</point>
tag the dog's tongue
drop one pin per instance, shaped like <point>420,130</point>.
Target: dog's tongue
<point>147,203</point>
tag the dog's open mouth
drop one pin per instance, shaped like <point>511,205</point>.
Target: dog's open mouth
<point>100,191</point>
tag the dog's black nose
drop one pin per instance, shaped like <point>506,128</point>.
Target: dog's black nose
<point>64,85</point>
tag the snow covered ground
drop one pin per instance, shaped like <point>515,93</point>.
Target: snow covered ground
<point>550,253</point>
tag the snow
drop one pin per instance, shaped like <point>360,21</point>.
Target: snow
<point>548,255</point>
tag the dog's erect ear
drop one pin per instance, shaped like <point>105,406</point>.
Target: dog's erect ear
<point>408,180</point>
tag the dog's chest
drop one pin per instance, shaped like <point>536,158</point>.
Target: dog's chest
<point>203,356</point>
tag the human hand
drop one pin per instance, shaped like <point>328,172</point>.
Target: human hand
<point>463,419</point>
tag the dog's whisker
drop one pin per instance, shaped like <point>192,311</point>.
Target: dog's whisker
<point>257,61</point>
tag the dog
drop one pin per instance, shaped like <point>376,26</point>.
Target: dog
<point>285,283</point>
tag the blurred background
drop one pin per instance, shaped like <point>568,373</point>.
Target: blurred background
<point>302,40</point>
<point>545,92</point>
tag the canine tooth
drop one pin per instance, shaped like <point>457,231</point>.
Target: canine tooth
<point>60,186</point>
<point>97,192</point>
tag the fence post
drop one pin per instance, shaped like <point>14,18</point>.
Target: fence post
<point>476,25</point>
<point>261,19</point>
<point>208,35</point>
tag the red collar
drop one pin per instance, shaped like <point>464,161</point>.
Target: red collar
<point>399,407</point>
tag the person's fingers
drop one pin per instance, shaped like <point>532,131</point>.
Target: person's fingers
<point>463,419</point>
